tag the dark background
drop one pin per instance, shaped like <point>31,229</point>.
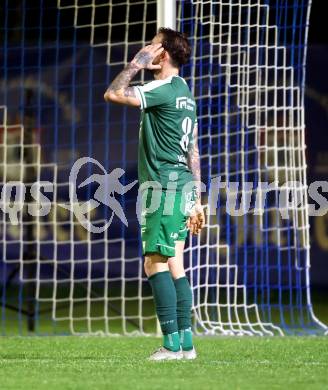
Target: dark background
<point>317,32</point>
<point>316,88</point>
<point>316,119</point>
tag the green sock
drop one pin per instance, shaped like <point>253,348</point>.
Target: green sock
<point>166,308</point>
<point>172,341</point>
<point>186,339</point>
<point>184,304</point>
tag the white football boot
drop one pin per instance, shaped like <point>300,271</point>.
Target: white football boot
<point>190,355</point>
<point>162,354</point>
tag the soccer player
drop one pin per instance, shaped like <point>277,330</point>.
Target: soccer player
<point>168,155</point>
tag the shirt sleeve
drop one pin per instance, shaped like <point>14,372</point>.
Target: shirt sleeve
<point>155,93</point>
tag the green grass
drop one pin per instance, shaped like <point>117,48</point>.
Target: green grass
<point>120,363</point>
<point>13,323</point>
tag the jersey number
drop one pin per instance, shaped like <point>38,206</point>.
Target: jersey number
<point>186,128</point>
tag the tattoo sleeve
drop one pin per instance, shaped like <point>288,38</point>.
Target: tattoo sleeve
<point>143,58</point>
<point>194,162</point>
<point>120,85</point>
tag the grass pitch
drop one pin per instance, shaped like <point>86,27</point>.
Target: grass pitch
<point>120,363</point>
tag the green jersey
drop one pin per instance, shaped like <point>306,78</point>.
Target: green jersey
<point>166,131</point>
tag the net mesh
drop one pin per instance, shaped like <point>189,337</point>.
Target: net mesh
<point>249,273</point>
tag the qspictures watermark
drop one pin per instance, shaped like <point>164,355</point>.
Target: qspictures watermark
<point>241,198</point>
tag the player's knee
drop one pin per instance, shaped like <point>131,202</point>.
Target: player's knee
<point>177,273</point>
<point>155,263</point>
<point>148,266</point>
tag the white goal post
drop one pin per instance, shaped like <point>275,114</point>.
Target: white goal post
<point>166,13</point>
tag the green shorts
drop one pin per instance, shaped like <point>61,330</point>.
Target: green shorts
<point>163,220</point>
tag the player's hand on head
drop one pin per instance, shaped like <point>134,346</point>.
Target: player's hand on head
<point>145,57</point>
<point>196,221</point>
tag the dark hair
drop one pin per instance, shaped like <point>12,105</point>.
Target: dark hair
<point>177,45</point>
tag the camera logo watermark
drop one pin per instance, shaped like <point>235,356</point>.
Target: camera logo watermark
<point>240,198</point>
<point>109,185</point>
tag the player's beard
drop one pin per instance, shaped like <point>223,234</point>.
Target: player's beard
<point>155,72</point>
<point>157,61</point>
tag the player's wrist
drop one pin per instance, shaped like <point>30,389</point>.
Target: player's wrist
<point>135,65</point>
<point>198,201</point>
<point>198,198</point>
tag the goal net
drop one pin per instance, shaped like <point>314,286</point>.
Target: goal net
<point>249,270</point>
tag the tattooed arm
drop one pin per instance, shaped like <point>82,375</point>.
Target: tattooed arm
<point>119,90</point>
<point>197,219</point>
<point>194,162</point>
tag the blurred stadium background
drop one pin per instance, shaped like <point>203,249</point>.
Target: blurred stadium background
<point>57,58</point>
